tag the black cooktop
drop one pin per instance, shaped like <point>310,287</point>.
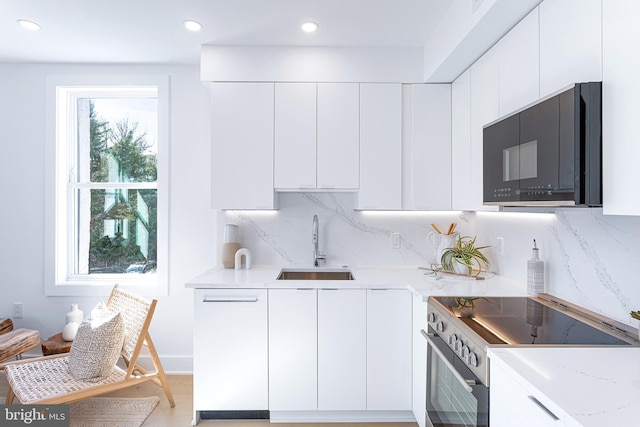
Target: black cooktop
<point>523,320</point>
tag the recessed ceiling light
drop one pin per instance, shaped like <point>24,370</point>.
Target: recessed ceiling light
<point>192,25</point>
<point>29,25</point>
<point>309,27</point>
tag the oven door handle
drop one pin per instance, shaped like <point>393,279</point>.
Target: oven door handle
<point>464,383</point>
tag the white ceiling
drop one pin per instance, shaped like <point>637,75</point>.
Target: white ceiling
<point>151,31</point>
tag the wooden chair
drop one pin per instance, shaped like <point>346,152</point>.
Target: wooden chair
<point>48,380</point>
<point>14,342</point>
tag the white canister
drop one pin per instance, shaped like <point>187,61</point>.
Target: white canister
<point>441,242</point>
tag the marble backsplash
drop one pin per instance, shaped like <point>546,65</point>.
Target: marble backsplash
<point>590,259</point>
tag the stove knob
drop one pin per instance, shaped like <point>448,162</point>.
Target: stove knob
<point>431,317</point>
<point>452,339</point>
<point>472,360</point>
<point>440,326</point>
<point>464,350</point>
<point>457,346</point>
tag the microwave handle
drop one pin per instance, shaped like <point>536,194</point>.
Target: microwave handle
<point>464,383</point>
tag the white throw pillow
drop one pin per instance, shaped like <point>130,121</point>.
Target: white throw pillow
<point>98,344</point>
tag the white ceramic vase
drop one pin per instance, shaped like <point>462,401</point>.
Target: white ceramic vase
<point>69,331</point>
<point>75,314</point>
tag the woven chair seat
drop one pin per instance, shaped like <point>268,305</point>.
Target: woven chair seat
<point>48,378</point>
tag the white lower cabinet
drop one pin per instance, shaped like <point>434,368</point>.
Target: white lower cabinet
<point>419,348</point>
<point>513,404</point>
<point>342,346</point>
<point>302,351</point>
<point>230,359</point>
<point>388,350</point>
<point>293,350</point>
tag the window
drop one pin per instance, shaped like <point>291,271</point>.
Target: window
<point>107,209</point>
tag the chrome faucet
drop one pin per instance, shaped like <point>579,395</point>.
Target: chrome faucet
<point>314,239</point>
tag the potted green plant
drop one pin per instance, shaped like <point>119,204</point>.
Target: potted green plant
<point>465,257</point>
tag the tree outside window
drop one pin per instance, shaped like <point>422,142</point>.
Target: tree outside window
<point>120,234</point>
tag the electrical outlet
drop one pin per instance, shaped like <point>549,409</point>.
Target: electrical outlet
<point>17,309</point>
<point>395,240</point>
<point>500,246</point>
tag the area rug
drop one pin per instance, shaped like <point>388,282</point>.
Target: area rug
<point>111,411</point>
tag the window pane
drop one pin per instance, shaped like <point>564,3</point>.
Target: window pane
<point>116,231</point>
<point>118,139</point>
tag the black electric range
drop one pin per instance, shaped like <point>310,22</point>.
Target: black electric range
<point>470,325</point>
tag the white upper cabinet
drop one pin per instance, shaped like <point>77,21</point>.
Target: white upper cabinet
<point>430,147</point>
<point>485,108</point>
<point>242,138</point>
<point>571,42</point>
<point>461,195</point>
<point>338,136</point>
<point>316,136</point>
<point>620,108</point>
<point>380,147</point>
<point>519,67</point>
<point>295,135</point>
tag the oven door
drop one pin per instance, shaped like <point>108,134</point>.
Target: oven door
<point>455,396</point>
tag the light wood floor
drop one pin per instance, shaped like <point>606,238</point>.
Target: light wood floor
<point>182,414</point>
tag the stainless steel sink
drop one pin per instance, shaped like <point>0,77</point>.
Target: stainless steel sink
<point>314,274</point>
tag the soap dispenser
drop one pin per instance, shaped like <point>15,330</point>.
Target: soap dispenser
<point>535,273</point>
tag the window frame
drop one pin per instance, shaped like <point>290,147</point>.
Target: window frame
<point>61,93</point>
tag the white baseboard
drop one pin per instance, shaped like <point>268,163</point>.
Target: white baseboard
<point>341,417</point>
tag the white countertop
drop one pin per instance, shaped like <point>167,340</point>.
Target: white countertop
<point>366,277</point>
<point>592,386</point>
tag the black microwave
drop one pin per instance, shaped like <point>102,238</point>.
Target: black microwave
<point>548,154</point>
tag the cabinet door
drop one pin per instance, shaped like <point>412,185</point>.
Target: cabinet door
<point>380,147</point>
<point>431,146</point>
<point>485,108</point>
<point>514,405</point>
<point>388,350</point>
<point>295,136</point>
<point>419,348</point>
<point>293,361</point>
<point>620,108</point>
<point>242,146</point>
<point>338,139</point>
<point>342,358</point>
<point>230,360</point>
<point>461,195</point>
<point>520,65</point>
<point>571,42</point>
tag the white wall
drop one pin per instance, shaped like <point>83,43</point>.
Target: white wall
<point>22,184</point>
